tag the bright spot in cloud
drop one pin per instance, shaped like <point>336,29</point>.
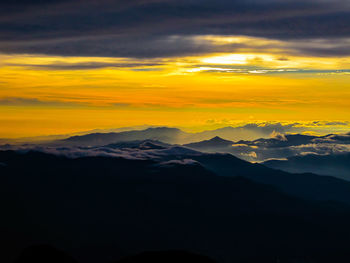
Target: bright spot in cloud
<point>240,59</point>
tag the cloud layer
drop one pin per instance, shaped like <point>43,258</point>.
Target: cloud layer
<point>163,28</point>
<point>159,143</point>
<point>296,153</point>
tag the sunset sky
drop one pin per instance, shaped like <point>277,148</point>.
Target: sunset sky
<point>69,66</point>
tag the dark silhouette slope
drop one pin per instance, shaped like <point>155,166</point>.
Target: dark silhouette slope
<point>122,207</point>
<point>337,165</point>
<point>44,254</point>
<point>306,185</point>
<point>167,257</point>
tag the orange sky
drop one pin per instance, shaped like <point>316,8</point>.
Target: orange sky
<point>41,95</point>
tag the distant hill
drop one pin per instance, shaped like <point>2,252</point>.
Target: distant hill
<point>282,141</point>
<point>260,149</point>
<point>216,143</point>
<point>337,165</point>
<point>177,136</point>
<point>278,147</point>
<point>174,135</point>
<point>163,134</point>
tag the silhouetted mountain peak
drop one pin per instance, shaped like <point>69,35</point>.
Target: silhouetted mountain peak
<point>164,134</point>
<point>215,142</point>
<point>218,139</point>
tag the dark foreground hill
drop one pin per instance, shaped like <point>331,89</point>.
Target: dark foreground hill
<point>44,254</point>
<point>101,209</point>
<point>49,254</point>
<point>168,257</point>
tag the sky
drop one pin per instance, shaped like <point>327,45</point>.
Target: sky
<point>69,66</point>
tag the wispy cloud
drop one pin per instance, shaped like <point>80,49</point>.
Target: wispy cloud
<point>87,65</point>
<point>19,101</point>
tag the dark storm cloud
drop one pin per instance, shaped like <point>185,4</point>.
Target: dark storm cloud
<point>140,46</point>
<point>158,28</point>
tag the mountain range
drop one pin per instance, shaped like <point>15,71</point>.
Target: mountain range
<point>289,152</point>
<point>107,197</point>
<point>249,131</point>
